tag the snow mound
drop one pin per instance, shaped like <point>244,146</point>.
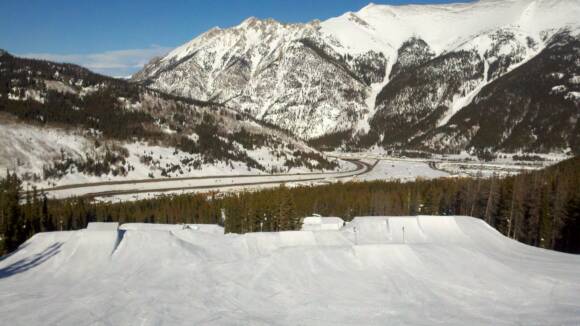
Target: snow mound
<point>103,226</point>
<point>376,270</point>
<point>316,223</point>
<point>207,228</point>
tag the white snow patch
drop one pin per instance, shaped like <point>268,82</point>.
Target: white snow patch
<point>434,270</point>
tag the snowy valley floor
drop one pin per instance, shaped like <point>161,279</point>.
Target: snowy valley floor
<point>147,188</point>
<point>375,271</point>
<point>353,170</point>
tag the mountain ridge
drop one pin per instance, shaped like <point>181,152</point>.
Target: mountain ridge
<point>322,78</point>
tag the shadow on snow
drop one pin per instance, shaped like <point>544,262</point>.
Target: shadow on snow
<point>31,262</point>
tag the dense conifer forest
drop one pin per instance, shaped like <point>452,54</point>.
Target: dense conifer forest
<point>540,208</point>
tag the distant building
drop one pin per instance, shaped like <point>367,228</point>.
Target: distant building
<point>319,223</point>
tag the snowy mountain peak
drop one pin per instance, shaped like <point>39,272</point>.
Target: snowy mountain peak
<point>436,23</point>
<point>248,21</point>
<point>254,22</point>
<point>326,78</point>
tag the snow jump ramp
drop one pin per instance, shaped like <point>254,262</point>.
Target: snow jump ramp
<point>376,270</point>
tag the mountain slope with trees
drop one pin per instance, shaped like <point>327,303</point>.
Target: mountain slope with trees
<point>84,123</point>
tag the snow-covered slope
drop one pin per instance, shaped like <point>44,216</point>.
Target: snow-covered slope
<point>280,73</point>
<point>66,124</point>
<point>323,78</point>
<point>377,270</point>
<point>385,28</point>
<point>532,108</point>
<point>34,152</point>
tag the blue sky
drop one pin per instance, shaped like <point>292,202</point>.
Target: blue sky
<point>118,37</point>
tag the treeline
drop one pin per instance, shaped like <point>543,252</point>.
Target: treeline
<point>540,208</point>
<point>64,105</point>
<point>111,161</point>
<point>99,110</point>
<point>21,216</point>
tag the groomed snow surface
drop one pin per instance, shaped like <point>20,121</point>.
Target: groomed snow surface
<point>374,271</point>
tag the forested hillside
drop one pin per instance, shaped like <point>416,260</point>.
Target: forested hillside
<point>100,126</point>
<point>540,208</point>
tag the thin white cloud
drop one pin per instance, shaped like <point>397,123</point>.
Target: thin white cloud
<point>112,63</point>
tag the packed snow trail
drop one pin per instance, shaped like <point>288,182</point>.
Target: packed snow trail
<point>376,270</point>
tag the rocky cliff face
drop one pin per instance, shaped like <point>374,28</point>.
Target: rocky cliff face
<point>392,76</point>
<point>536,107</point>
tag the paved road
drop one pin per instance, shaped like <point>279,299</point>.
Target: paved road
<point>361,168</point>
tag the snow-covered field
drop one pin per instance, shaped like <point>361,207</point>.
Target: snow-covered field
<point>29,149</point>
<point>400,170</point>
<point>204,184</point>
<point>375,271</point>
<point>381,168</point>
<point>387,170</point>
<point>464,164</point>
